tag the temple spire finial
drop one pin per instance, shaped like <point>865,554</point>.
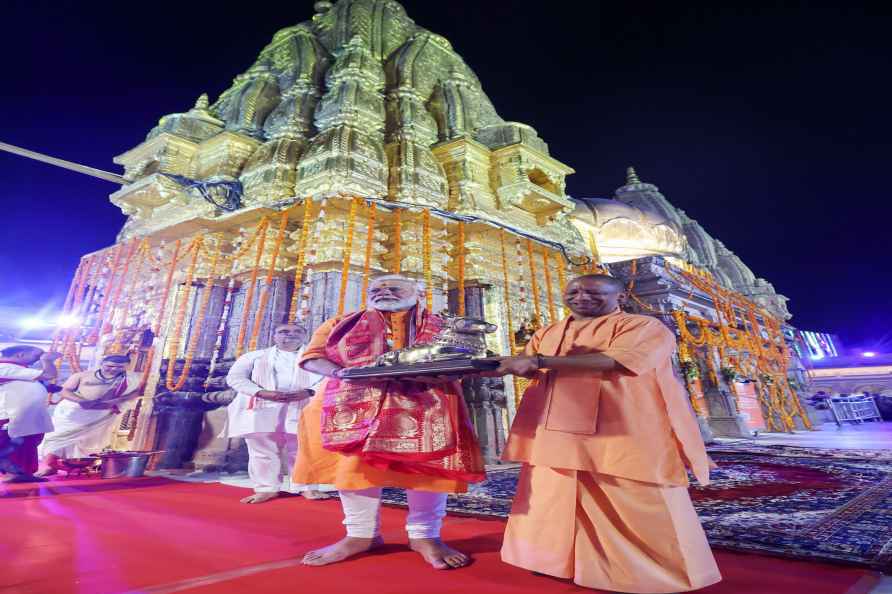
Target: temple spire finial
<point>202,102</point>
<point>631,176</point>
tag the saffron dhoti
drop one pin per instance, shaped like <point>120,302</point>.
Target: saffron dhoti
<point>625,535</point>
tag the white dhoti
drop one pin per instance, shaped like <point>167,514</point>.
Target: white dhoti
<point>268,428</point>
<point>78,432</point>
<point>270,460</point>
<point>362,513</point>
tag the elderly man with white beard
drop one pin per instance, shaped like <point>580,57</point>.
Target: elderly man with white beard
<point>364,435</point>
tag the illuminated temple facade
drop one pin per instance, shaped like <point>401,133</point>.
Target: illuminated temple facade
<point>359,143</point>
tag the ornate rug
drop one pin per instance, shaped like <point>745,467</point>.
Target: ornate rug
<point>827,506</point>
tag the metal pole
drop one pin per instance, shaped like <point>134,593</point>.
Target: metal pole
<point>107,176</point>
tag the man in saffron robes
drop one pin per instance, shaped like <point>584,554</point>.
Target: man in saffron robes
<point>87,411</point>
<point>24,417</point>
<point>364,435</point>
<point>605,433</point>
<point>272,390</point>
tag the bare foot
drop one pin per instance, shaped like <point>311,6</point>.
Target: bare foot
<point>259,497</point>
<point>46,472</point>
<point>438,553</point>
<point>343,549</point>
<point>313,494</point>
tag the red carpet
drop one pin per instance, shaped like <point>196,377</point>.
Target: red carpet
<point>157,536</point>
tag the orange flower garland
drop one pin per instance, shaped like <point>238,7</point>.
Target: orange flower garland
<point>301,258</point>
<point>507,292</point>
<point>268,282</point>
<point>397,264</point>
<point>426,258</point>
<point>461,268</point>
<point>181,305</point>
<point>159,316</point>
<point>371,212</point>
<point>348,251</point>
<point>534,282</point>
<point>249,295</point>
<point>172,385</point>
<point>562,282</point>
<point>549,289</point>
<point>108,290</point>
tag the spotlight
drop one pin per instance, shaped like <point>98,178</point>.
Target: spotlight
<point>32,322</point>
<point>868,354</point>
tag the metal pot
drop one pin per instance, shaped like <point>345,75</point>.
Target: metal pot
<point>124,464</point>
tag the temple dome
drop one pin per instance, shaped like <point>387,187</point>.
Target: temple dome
<point>623,232</point>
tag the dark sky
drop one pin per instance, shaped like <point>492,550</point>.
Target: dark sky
<point>767,122</point>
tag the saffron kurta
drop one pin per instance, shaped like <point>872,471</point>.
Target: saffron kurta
<point>602,497</point>
<point>350,471</point>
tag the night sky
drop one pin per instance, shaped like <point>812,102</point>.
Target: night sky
<point>767,123</point>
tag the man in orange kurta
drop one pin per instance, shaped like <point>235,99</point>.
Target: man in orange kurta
<point>605,433</point>
<point>364,435</point>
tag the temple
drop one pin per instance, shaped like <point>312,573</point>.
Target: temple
<point>358,143</point>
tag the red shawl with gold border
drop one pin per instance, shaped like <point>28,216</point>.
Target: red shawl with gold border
<point>397,425</point>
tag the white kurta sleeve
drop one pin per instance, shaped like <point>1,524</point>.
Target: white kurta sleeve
<point>17,372</point>
<point>239,376</point>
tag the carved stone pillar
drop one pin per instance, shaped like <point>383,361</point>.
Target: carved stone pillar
<point>179,419</point>
<point>214,453</point>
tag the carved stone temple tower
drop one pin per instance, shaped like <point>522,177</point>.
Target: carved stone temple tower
<point>356,143</point>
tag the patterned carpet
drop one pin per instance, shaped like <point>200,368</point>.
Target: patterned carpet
<point>827,505</point>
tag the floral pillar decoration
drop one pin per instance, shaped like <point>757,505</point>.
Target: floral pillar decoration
<point>426,258</point>
<point>534,282</point>
<point>461,268</point>
<point>268,282</point>
<point>306,224</point>
<point>549,289</point>
<point>177,334</point>
<point>396,265</point>
<point>371,212</point>
<point>249,296</point>
<point>348,250</point>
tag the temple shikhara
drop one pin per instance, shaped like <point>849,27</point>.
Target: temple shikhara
<point>359,143</point>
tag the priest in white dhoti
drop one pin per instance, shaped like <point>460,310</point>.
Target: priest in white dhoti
<point>24,417</point>
<point>88,408</point>
<point>272,390</point>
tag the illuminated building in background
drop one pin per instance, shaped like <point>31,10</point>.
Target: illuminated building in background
<point>820,345</point>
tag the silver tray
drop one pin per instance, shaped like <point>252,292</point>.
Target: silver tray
<point>462,366</point>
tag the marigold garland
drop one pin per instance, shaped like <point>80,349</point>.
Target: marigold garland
<point>348,252</point>
<point>534,282</point>
<point>549,289</point>
<point>174,386</point>
<point>562,282</point>
<point>268,282</point>
<point>249,294</point>
<point>108,290</point>
<point>306,224</point>
<point>397,264</point>
<point>460,268</point>
<point>159,316</point>
<point>506,293</point>
<point>371,212</point>
<point>426,258</point>
<point>181,306</point>
<point>142,252</point>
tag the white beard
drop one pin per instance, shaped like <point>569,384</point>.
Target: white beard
<point>400,305</point>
